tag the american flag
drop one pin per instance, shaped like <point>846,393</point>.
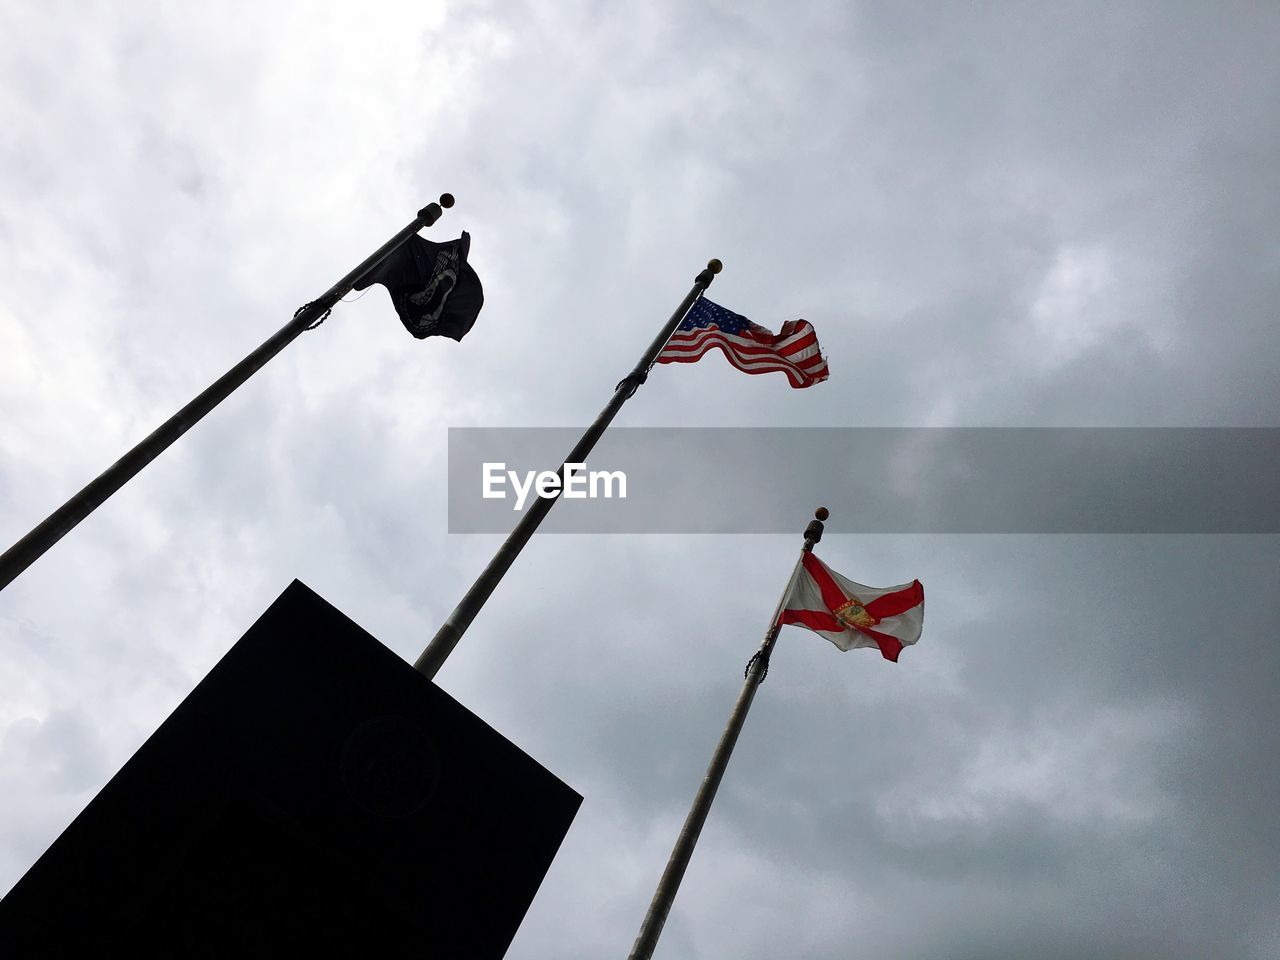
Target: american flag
<point>748,346</point>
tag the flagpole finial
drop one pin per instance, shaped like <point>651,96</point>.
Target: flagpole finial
<point>813,532</point>
<point>434,211</point>
<point>713,267</point>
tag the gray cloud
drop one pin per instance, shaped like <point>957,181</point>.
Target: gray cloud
<point>994,216</point>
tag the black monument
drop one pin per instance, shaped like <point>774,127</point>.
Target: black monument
<point>313,796</point>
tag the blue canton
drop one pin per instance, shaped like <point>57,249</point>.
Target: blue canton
<point>707,314</point>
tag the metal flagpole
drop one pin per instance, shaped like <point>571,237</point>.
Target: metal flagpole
<point>30,548</point>
<point>451,631</point>
<point>757,667</point>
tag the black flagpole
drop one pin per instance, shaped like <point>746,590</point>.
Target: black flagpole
<point>757,667</point>
<point>31,547</point>
<point>455,626</point>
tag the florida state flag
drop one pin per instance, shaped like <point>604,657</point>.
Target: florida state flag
<point>850,614</point>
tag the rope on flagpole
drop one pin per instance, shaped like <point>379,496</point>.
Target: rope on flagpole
<point>633,380</point>
<point>812,534</point>
<point>321,319</point>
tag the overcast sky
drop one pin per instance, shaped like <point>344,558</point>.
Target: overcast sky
<point>1025,214</point>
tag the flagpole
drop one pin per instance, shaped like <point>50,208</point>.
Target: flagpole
<point>757,667</point>
<point>451,631</point>
<point>59,523</point>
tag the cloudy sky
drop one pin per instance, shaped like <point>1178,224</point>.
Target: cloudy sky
<point>995,215</point>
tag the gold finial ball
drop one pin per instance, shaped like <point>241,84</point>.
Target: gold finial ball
<point>822,513</point>
<point>446,200</point>
<point>714,265</point>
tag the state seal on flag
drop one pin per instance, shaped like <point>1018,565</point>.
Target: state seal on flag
<point>852,613</point>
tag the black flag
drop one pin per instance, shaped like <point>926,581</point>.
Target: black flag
<point>433,288</point>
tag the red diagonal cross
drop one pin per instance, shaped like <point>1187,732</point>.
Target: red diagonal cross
<point>889,605</point>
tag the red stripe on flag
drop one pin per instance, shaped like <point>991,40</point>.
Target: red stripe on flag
<point>832,595</point>
<point>766,363</point>
<point>813,619</point>
<point>892,604</point>
<point>792,329</point>
<point>743,341</point>
<point>796,380</point>
<point>889,646</point>
<point>810,362</point>
<point>740,344</point>
<point>809,340</point>
<point>771,362</point>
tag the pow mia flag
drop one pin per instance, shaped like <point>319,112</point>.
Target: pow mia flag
<point>433,288</point>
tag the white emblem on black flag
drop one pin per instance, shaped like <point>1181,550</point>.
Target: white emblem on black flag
<point>434,290</point>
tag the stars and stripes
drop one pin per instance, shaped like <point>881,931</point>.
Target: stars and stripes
<point>748,346</point>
